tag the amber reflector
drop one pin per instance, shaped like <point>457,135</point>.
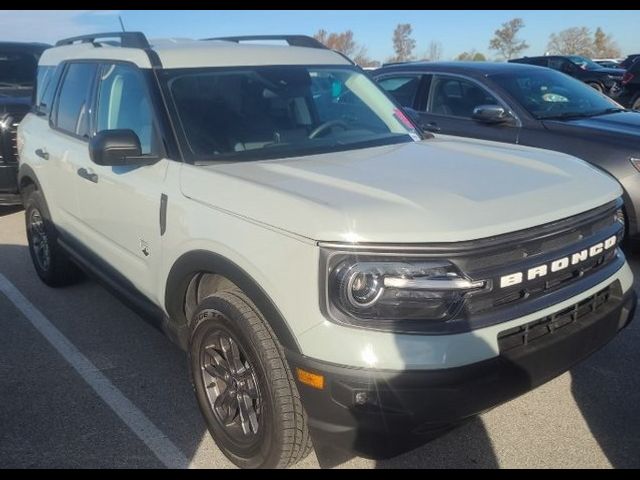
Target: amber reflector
<point>312,379</point>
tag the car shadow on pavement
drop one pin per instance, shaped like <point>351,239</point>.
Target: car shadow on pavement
<point>606,388</point>
<point>468,446</point>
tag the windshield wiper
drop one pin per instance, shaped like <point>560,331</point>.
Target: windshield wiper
<point>570,115</point>
<point>610,110</point>
<point>566,116</point>
<point>13,85</point>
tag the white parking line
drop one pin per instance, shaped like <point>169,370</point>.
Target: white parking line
<point>145,430</point>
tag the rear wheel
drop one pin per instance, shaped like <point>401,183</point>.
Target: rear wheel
<point>51,264</point>
<point>243,384</point>
<point>596,86</point>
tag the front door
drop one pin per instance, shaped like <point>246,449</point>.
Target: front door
<point>120,205</point>
<point>449,107</point>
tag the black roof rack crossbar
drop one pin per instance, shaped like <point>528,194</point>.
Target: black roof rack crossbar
<point>127,39</point>
<point>292,40</point>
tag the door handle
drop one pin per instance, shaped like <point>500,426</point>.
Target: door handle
<point>88,175</point>
<point>42,153</point>
<point>431,127</point>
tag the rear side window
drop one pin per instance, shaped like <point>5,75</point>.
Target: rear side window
<point>74,99</point>
<point>403,88</point>
<point>48,78</point>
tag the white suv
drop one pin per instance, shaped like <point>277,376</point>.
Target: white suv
<point>334,274</point>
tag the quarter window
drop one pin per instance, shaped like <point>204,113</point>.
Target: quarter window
<point>123,103</point>
<point>457,97</point>
<point>73,103</point>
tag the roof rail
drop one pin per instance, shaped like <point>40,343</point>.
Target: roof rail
<point>127,39</point>
<point>292,40</point>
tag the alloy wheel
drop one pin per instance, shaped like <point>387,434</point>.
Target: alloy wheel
<point>231,387</point>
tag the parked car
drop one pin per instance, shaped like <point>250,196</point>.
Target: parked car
<point>18,63</point>
<point>525,105</point>
<point>627,62</point>
<point>609,63</point>
<point>605,80</point>
<point>335,277</point>
<point>630,94</point>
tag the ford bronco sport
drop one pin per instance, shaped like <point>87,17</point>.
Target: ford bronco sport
<point>18,64</point>
<point>335,277</point>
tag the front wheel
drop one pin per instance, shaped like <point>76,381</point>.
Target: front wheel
<point>243,384</point>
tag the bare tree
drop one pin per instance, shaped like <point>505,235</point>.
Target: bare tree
<point>434,52</point>
<point>403,44</point>
<point>572,41</point>
<point>471,56</point>
<point>604,46</point>
<point>343,42</point>
<point>506,41</point>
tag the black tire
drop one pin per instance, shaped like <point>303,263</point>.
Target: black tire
<point>56,270</point>
<point>278,436</point>
<point>596,86</point>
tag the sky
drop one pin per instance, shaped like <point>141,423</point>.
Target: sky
<point>456,30</point>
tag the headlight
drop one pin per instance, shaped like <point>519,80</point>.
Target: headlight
<point>378,291</point>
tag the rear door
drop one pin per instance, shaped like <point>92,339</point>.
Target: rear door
<point>404,87</point>
<point>449,104</point>
<point>66,146</point>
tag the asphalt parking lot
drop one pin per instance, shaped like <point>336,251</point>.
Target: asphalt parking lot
<point>84,382</point>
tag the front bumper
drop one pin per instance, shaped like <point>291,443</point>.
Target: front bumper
<point>382,413</point>
<point>9,184</point>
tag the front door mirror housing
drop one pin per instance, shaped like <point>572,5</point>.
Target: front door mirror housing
<point>493,114</point>
<point>115,148</point>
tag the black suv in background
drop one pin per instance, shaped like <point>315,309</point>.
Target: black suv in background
<point>18,66</point>
<point>627,62</point>
<point>605,80</point>
<point>630,95</point>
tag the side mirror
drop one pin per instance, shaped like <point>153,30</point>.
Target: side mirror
<point>114,148</point>
<point>491,114</point>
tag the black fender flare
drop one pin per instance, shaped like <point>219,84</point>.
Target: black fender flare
<point>25,171</point>
<point>198,261</point>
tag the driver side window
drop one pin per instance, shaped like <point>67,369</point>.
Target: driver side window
<point>123,103</point>
<point>457,97</point>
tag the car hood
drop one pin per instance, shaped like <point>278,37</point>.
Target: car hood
<point>614,72</point>
<point>440,190</point>
<point>618,124</point>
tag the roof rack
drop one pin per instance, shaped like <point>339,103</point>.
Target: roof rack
<point>127,39</point>
<point>292,40</point>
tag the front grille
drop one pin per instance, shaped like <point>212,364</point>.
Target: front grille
<point>535,331</point>
<point>9,141</point>
<point>537,247</point>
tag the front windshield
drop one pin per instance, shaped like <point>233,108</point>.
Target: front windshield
<point>550,94</point>
<point>250,113</point>
<point>585,63</point>
<point>17,69</point>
